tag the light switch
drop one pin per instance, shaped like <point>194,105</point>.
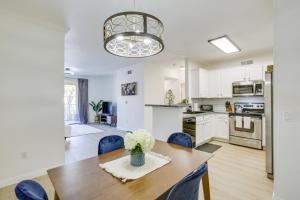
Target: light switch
<point>289,116</point>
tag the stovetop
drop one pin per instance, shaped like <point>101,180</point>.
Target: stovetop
<point>249,109</point>
<point>246,114</point>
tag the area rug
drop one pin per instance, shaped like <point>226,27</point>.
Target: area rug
<point>209,148</point>
<point>81,129</point>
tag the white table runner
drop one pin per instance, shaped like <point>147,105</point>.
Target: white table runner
<point>122,169</point>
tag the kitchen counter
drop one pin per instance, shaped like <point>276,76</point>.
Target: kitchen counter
<point>166,105</point>
<point>164,119</point>
<point>248,114</point>
<point>185,114</point>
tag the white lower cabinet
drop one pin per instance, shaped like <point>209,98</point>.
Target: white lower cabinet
<point>221,125</point>
<point>200,128</point>
<point>212,126</point>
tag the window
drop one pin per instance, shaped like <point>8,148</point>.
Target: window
<point>70,101</point>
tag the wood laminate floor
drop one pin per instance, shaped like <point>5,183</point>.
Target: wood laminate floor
<point>235,173</point>
<point>86,146</point>
<point>238,173</point>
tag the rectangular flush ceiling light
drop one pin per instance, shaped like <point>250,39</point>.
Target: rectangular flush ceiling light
<point>225,44</point>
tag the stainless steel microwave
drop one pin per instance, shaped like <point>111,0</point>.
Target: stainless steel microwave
<point>248,88</point>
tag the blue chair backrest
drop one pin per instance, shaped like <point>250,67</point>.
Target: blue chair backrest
<point>110,143</point>
<point>182,139</point>
<point>188,187</point>
<point>30,190</point>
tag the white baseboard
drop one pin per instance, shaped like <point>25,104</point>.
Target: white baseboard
<point>203,142</point>
<point>220,139</point>
<point>29,175</point>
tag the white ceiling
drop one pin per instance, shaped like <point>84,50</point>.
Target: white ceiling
<point>188,26</point>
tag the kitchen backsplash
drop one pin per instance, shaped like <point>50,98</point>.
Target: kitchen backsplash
<point>219,104</point>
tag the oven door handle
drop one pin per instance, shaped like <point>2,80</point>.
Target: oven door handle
<point>190,120</point>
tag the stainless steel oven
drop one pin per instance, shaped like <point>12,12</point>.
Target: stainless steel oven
<point>250,137</point>
<point>189,126</point>
<point>245,125</point>
<point>248,88</point>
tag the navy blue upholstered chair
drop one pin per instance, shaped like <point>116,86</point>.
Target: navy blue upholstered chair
<point>182,139</point>
<point>110,143</point>
<point>188,187</point>
<point>30,190</point>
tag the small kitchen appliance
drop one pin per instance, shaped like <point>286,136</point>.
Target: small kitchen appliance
<point>248,88</point>
<point>207,108</point>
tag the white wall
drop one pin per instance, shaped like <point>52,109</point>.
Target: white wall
<point>286,100</point>
<point>155,75</point>
<point>130,109</point>
<point>101,88</point>
<point>175,86</point>
<point>31,97</point>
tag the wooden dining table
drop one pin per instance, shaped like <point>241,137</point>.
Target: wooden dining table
<point>85,180</point>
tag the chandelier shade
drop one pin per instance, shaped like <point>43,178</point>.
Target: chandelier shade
<point>133,34</point>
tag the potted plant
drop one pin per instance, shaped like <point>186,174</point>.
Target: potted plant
<point>138,143</point>
<point>97,107</point>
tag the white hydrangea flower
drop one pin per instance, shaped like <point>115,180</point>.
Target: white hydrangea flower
<point>141,137</point>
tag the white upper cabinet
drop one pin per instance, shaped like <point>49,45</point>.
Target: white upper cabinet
<point>247,73</point>
<point>198,83</point>
<point>255,72</point>
<point>226,83</point>
<point>220,83</point>
<point>217,83</point>
<point>203,83</point>
<point>214,84</point>
<point>237,74</point>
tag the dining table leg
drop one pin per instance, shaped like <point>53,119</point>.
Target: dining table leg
<point>56,196</point>
<point>205,184</point>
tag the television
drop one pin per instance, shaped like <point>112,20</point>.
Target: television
<point>107,108</point>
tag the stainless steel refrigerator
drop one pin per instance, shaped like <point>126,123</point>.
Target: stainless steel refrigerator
<point>269,122</point>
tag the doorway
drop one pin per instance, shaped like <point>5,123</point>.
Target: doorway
<point>71,115</point>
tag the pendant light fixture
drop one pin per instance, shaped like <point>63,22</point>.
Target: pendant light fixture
<point>133,34</point>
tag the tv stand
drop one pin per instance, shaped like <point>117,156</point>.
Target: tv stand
<point>108,119</point>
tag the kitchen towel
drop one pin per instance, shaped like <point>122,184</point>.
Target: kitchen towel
<point>238,122</point>
<point>122,169</point>
<point>247,122</point>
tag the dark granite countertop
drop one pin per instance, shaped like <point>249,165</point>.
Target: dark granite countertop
<point>220,112</point>
<point>206,112</point>
<point>166,105</point>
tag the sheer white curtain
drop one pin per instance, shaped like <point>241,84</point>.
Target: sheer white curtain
<point>71,100</point>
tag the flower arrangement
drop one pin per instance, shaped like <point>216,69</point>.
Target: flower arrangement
<point>138,142</point>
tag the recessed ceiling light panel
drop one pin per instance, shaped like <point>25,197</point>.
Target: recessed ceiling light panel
<point>225,44</point>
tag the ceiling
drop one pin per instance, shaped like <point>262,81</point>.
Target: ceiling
<point>188,26</point>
